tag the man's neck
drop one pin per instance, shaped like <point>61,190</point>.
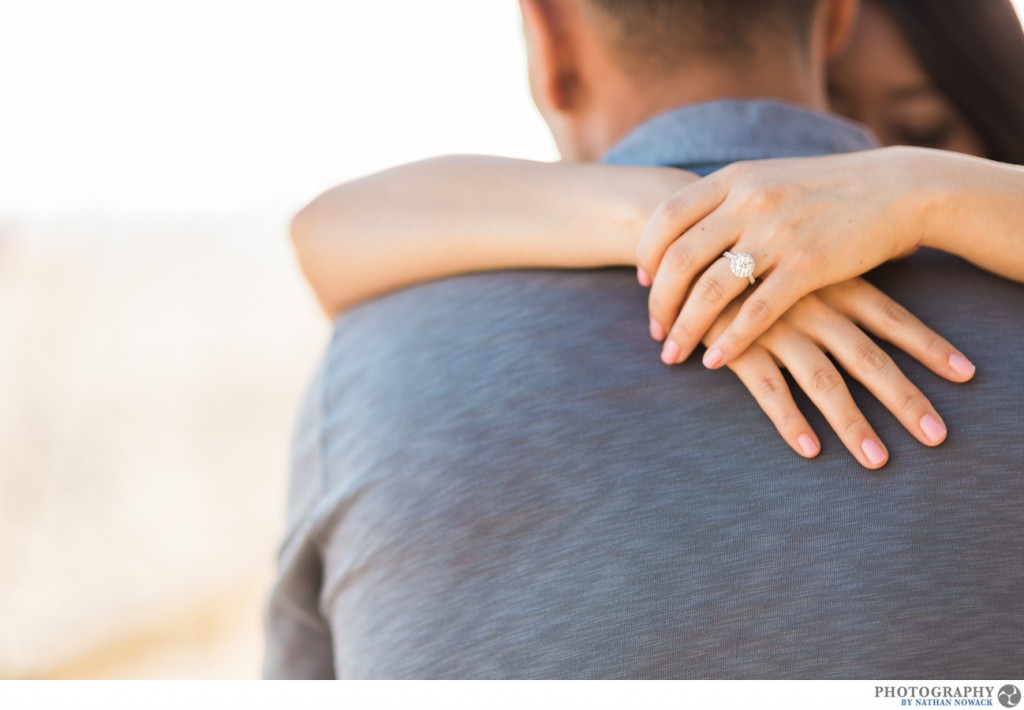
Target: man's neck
<point>627,103</point>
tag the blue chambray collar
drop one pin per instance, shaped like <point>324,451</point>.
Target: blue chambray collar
<point>707,136</point>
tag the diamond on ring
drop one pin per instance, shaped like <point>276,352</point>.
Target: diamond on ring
<point>741,264</point>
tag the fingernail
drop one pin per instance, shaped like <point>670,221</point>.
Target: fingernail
<point>670,353</point>
<point>933,429</point>
<point>657,330</point>
<point>807,445</point>
<point>963,367</point>
<point>713,358</point>
<point>874,451</point>
<point>642,276</point>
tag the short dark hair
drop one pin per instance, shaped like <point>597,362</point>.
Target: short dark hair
<point>974,54</point>
<point>664,32</point>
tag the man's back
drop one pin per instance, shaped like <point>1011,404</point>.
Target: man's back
<point>523,490</point>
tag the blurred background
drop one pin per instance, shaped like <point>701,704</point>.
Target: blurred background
<point>155,335</point>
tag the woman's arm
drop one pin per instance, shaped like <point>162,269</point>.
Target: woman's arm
<point>976,210</point>
<point>812,222</point>
<point>461,214</point>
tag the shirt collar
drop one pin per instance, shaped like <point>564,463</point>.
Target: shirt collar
<point>713,134</point>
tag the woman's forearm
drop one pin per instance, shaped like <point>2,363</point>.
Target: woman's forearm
<point>460,214</point>
<point>976,211</point>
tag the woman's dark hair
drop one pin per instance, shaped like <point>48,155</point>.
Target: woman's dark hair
<point>973,50</point>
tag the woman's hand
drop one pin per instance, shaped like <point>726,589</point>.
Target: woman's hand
<point>807,223</point>
<point>830,322</point>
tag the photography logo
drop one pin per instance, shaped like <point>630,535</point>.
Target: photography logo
<point>1009,696</point>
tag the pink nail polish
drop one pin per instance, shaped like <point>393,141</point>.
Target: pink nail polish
<point>961,365</point>
<point>713,358</point>
<point>873,451</point>
<point>642,276</point>
<point>670,353</point>
<point>933,429</point>
<point>657,331</point>
<point>807,445</point>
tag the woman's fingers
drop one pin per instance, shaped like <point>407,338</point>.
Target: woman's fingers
<point>871,366</point>
<point>882,316</point>
<point>680,265</point>
<point>820,379</point>
<point>711,294</point>
<point>675,258</point>
<point>762,377</point>
<point>675,216</point>
<point>769,301</point>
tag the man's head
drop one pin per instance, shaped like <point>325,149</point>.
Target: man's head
<point>600,67</point>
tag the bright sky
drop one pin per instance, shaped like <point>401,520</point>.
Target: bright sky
<point>221,105</point>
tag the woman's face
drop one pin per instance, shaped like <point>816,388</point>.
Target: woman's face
<point>879,82</point>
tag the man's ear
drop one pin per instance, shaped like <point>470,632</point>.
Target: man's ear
<point>842,18</point>
<point>553,75</point>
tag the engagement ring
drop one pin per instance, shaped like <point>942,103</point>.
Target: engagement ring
<point>741,265</point>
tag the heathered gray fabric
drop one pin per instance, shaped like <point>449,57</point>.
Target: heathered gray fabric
<point>495,477</point>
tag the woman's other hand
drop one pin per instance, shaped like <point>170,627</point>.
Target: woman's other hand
<point>833,321</point>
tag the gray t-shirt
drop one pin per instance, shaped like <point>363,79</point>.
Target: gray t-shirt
<point>495,477</point>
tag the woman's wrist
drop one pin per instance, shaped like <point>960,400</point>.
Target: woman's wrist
<point>954,191</point>
<point>974,208</point>
<point>923,195</point>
